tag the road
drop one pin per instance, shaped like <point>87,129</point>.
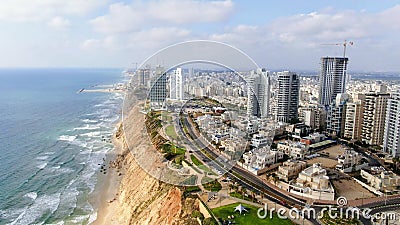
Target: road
<point>243,177</point>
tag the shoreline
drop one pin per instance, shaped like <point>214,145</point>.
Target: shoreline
<point>105,197</point>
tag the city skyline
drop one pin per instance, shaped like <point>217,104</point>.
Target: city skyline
<point>114,33</point>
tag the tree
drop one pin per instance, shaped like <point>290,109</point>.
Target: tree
<point>197,214</point>
<point>209,221</point>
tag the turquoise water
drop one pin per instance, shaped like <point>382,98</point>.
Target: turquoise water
<point>51,142</point>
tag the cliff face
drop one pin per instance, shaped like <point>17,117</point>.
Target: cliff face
<point>142,199</point>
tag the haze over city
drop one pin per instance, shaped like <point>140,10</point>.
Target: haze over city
<point>276,34</point>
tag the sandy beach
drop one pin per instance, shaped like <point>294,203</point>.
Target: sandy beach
<point>105,196</point>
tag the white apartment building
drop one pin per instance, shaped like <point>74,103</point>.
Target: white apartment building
<point>353,118</point>
<point>176,85</point>
<point>382,180</point>
<point>391,143</point>
<point>313,182</point>
<point>350,161</point>
<point>336,113</point>
<point>290,169</point>
<point>259,141</point>
<point>259,159</point>
<point>259,85</point>
<point>374,115</point>
<point>295,150</point>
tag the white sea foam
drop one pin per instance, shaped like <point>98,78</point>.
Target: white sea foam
<point>42,165</point>
<point>92,134</point>
<point>10,214</point>
<point>42,157</point>
<point>67,138</point>
<point>41,205</point>
<point>60,169</point>
<point>87,127</point>
<point>92,217</point>
<point>31,195</point>
<point>89,121</point>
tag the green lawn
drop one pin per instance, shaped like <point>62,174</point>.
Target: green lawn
<point>195,160</point>
<point>248,218</point>
<point>200,165</point>
<point>174,150</point>
<point>170,131</point>
<point>210,184</point>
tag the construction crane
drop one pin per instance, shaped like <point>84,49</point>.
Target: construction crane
<point>345,43</point>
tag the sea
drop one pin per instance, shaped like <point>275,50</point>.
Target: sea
<point>53,141</point>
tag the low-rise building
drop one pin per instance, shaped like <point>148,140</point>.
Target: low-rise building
<point>290,169</point>
<point>350,161</point>
<point>313,138</point>
<point>259,141</point>
<point>234,144</point>
<point>298,130</point>
<point>313,182</point>
<point>296,150</point>
<point>380,179</point>
<point>259,159</point>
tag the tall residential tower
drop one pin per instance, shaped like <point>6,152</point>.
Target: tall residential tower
<point>258,84</point>
<point>391,142</point>
<point>288,97</point>
<point>332,79</point>
<point>374,115</point>
<point>176,85</point>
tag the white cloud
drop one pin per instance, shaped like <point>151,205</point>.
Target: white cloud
<point>295,41</point>
<point>129,17</point>
<point>146,40</point>
<point>59,22</point>
<point>37,10</point>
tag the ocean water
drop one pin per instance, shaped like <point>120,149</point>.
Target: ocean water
<point>52,142</point>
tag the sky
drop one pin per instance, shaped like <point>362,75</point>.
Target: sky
<point>284,34</point>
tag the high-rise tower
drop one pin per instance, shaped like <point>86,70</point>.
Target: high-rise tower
<point>391,142</point>
<point>258,84</point>
<point>332,79</point>
<point>374,115</point>
<point>288,97</point>
<point>158,87</point>
<point>176,85</point>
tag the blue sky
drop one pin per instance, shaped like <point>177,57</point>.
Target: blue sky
<point>276,34</point>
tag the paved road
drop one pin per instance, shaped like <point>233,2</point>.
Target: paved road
<point>246,179</point>
<point>253,183</point>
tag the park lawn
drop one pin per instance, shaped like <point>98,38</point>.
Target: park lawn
<point>210,184</point>
<point>170,131</point>
<point>248,218</point>
<point>200,165</point>
<point>195,160</point>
